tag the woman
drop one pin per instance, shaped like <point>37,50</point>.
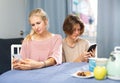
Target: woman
<point>74,47</point>
<point>40,48</point>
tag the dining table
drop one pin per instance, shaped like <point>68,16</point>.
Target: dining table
<point>63,73</point>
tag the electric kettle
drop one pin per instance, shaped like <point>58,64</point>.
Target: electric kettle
<point>113,64</point>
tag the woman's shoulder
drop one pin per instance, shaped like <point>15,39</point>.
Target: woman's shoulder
<point>63,41</point>
<point>82,40</point>
<point>58,36</point>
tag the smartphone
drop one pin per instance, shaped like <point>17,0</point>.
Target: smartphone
<point>92,47</point>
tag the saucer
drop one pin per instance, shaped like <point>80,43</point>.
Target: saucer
<point>75,75</point>
<point>114,77</point>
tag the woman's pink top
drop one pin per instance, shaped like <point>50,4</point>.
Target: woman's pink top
<point>42,50</point>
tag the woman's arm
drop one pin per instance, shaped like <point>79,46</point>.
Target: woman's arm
<point>32,64</point>
<point>49,62</point>
<point>56,51</point>
<point>83,57</point>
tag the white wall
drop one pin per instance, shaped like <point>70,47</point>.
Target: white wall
<point>12,18</point>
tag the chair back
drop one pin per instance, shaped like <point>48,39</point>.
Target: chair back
<point>15,52</point>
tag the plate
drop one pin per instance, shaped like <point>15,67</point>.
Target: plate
<point>75,75</point>
<point>114,77</point>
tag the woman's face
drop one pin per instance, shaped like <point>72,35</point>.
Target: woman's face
<point>38,25</point>
<point>76,32</point>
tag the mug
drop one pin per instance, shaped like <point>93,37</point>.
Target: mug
<point>92,64</point>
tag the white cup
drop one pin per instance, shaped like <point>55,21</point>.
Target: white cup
<point>101,61</point>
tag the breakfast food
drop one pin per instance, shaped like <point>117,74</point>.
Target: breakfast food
<point>84,73</point>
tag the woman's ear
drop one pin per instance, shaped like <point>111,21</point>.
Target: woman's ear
<point>46,21</point>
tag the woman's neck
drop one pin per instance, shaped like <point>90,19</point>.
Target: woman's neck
<point>70,42</point>
<point>44,36</point>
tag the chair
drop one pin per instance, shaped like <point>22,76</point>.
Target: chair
<point>15,52</point>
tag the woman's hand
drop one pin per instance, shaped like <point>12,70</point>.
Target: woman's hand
<point>93,53</point>
<point>15,60</point>
<point>28,64</point>
<point>83,57</point>
<point>86,55</point>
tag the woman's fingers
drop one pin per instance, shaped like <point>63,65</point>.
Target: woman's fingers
<point>22,66</point>
<point>15,60</point>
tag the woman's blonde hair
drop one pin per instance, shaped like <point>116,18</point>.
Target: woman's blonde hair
<point>39,13</point>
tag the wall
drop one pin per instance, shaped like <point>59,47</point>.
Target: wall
<point>108,30</point>
<point>56,10</point>
<point>12,18</point>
